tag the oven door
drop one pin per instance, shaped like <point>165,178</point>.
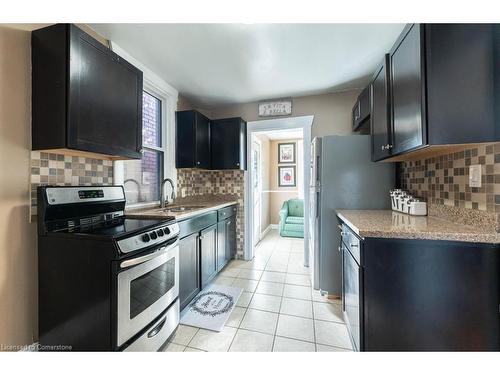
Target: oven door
<point>147,285</point>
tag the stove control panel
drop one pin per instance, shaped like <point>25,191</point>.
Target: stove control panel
<point>148,238</point>
<point>83,194</point>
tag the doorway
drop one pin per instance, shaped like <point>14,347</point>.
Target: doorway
<point>258,193</point>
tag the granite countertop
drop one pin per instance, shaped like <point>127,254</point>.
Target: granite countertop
<point>209,203</point>
<point>390,224</point>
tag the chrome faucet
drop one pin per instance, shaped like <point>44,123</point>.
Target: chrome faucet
<point>163,199</point>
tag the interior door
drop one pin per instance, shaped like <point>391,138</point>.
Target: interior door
<point>257,190</point>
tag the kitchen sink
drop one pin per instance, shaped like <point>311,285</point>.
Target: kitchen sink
<point>182,208</point>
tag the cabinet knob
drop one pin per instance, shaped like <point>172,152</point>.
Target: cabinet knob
<point>238,164</point>
<point>389,147</point>
<point>382,147</point>
<point>198,162</point>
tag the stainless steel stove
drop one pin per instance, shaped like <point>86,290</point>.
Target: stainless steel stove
<point>106,281</point>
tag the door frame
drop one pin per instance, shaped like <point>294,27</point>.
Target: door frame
<point>259,143</point>
<point>303,122</point>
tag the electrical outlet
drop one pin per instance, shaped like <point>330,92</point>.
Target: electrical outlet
<point>475,175</point>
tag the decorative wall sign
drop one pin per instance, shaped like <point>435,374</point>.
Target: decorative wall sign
<point>286,153</point>
<point>286,176</point>
<point>275,108</point>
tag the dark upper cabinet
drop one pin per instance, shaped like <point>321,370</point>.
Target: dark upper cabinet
<point>210,144</point>
<point>228,139</point>
<point>444,88</point>
<point>84,96</point>
<point>361,110</point>
<point>189,268</point>
<point>380,112</point>
<point>193,140</point>
<point>407,91</point>
<point>462,66</point>
<point>208,252</point>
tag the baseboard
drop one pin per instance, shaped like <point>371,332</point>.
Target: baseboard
<point>263,234</point>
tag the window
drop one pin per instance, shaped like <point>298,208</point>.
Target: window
<point>142,178</point>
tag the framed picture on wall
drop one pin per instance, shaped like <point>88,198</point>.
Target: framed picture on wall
<point>286,153</point>
<point>286,176</point>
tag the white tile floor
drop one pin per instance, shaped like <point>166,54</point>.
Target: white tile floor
<point>278,310</point>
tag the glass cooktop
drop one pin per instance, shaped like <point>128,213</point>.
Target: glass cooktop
<point>115,227</point>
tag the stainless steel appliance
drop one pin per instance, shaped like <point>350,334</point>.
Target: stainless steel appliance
<point>342,177</point>
<point>351,280</point>
<point>147,284</point>
<point>106,281</point>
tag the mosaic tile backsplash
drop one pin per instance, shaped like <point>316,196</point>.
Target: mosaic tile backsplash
<point>56,169</point>
<point>193,182</point>
<point>443,181</point>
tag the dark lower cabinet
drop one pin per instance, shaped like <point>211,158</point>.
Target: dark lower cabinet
<point>207,244</point>
<point>226,242</point>
<point>431,295</point>
<point>421,295</point>
<point>231,238</point>
<point>222,259</point>
<point>189,268</point>
<point>208,251</point>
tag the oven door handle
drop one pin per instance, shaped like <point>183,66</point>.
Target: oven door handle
<point>145,258</point>
<point>157,329</point>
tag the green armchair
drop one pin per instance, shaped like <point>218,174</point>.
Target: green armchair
<point>292,218</point>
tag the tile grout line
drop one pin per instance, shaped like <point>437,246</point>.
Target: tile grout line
<point>279,311</point>
<point>246,310</point>
<point>314,324</point>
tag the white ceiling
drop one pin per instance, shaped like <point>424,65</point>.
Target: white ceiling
<point>283,134</point>
<point>216,64</point>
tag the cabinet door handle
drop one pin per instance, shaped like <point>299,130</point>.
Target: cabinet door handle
<point>382,147</point>
<point>389,147</point>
